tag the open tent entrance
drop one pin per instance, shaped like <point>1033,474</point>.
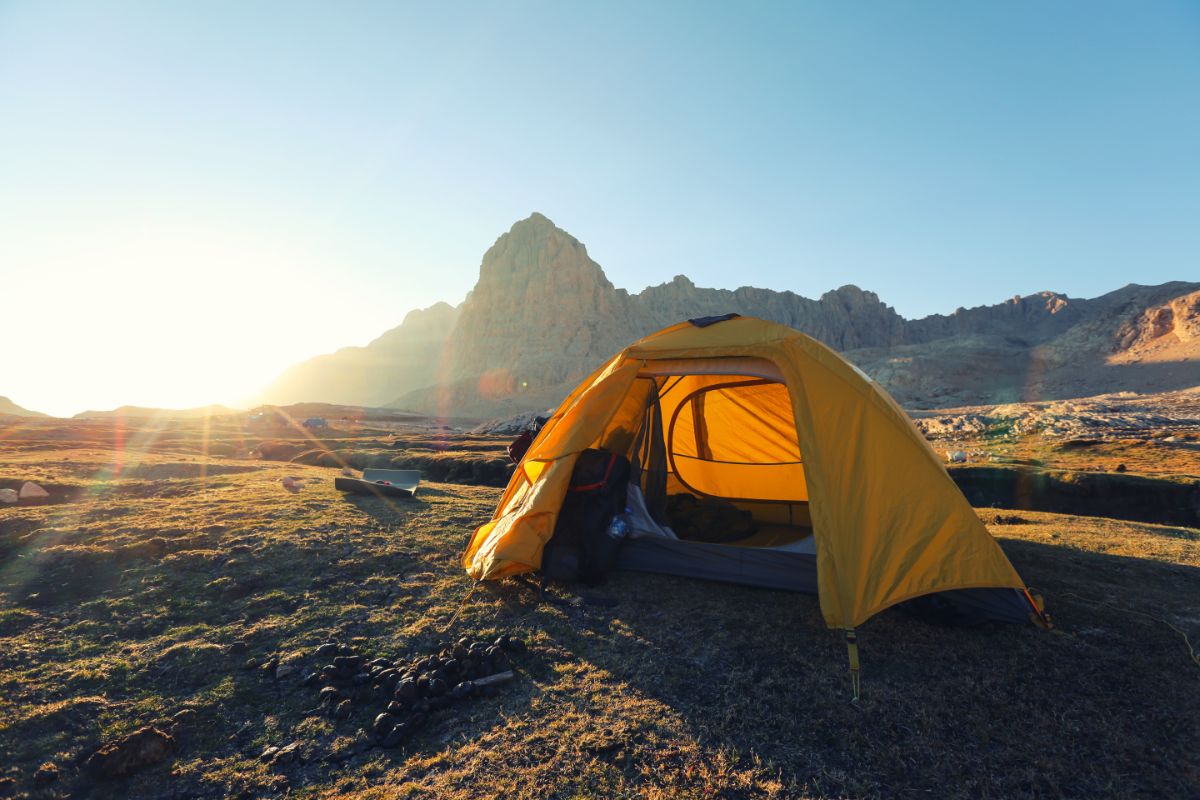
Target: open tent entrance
<point>716,455</point>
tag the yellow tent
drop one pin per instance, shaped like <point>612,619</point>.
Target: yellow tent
<point>782,426</point>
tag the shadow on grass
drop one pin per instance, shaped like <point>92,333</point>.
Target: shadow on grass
<point>995,711</point>
<point>386,509</point>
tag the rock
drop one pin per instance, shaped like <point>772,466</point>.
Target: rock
<point>283,756</point>
<point>311,679</point>
<point>396,735</point>
<point>31,491</point>
<point>237,648</point>
<point>268,753</point>
<point>284,670</point>
<point>9,496</point>
<point>46,773</point>
<point>251,663</point>
<point>329,695</point>
<point>383,724</point>
<point>343,710</point>
<point>956,457</point>
<point>142,748</point>
<point>185,716</point>
<point>327,651</point>
<point>346,666</point>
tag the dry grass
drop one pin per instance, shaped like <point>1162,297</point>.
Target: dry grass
<point>131,600</point>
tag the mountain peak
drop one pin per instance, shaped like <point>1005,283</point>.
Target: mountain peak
<point>535,222</point>
<point>535,250</point>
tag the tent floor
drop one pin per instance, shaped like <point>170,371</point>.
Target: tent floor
<point>776,557</point>
<point>783,557</point>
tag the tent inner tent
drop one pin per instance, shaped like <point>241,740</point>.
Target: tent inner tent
<point>846,497</point>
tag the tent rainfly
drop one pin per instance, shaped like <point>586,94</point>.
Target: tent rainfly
<point>848,499</point>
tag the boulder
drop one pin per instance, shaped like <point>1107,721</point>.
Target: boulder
<point>31,491</point>
<point>122,757</point>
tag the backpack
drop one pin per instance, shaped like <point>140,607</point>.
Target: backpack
<point>581,549</point>
<point>520,446</point>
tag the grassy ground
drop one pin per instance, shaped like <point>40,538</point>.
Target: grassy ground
<point>142,596</point>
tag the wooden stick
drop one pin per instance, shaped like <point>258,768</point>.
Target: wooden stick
<point>499,677</point>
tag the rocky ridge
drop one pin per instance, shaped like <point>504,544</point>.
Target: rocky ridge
<point>543,314</point>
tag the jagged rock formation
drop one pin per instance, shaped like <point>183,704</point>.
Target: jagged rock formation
<point>543,315</point>
<point>11,409</point>
<point>542,311</point>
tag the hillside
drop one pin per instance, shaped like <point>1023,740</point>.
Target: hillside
<point>398,361</point>
<point>169,413</point>
<point>543,314</point>
<point>11,409</point>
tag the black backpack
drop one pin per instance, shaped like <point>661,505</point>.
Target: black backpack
<point>581,549</point>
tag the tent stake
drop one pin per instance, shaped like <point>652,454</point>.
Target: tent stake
<point>852,651</point>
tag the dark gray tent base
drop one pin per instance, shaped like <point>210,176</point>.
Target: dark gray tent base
<point>772,568</point>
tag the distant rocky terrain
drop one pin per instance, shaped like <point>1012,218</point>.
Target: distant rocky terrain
<point>1125,415</point>
<point>11,409</point>
<point>543,315</point>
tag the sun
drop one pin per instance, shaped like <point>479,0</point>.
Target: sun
<point>163,313</point>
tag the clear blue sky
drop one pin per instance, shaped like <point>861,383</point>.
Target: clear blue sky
<point>220,188</point>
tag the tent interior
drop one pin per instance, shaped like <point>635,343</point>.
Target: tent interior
<point>722,430</point>
<point>717,429</point>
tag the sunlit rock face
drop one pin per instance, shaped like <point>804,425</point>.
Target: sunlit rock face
<point>542,310</point>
